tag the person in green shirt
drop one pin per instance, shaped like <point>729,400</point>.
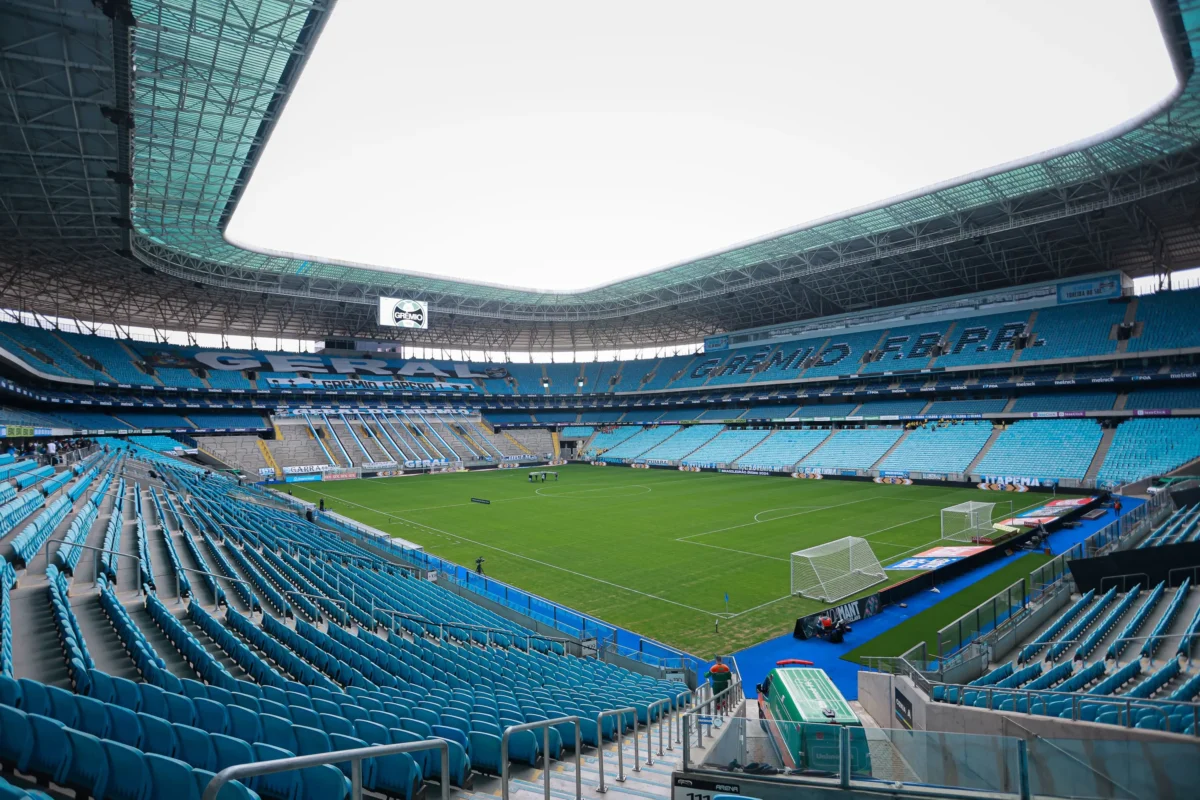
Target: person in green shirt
<point>720,676</point>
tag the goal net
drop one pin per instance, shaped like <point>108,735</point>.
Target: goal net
<point>835,570</point>
<point>966,521</point>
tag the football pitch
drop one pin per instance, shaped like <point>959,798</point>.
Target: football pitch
<point>652,551</point>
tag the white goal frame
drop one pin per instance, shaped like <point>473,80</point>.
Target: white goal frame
<point>965,521</point>
<point>835,570</point>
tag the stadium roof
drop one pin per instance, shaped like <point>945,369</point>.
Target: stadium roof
<point>130,129</point>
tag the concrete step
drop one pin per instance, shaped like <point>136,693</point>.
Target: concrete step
<point>175,662</point>
<point>102,641</point>
<point>211,647</point>
<point>37,652</point>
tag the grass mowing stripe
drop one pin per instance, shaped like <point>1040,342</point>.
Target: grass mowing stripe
<point>584,539</point>
<point>925,626</point>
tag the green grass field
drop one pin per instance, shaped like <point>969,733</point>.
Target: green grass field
<point>924,627</point>
<point>653,551</point>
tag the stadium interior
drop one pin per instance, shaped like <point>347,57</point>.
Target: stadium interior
<point>223,566</point>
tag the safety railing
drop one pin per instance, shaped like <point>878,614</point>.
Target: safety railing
<point>544,726</point>
<point>1037,702</point>
<point>619,713</point>
<point>355,757</point>
<point>706,710</point>
<point>665,703</point>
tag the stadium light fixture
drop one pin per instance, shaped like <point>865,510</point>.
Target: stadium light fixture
<point>547,146</point>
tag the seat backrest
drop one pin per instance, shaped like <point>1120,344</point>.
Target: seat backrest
<point>128,773</point>
<point>386,719</point>
<point>230,751</point>
<point>422,729</point>
<point>335,724</point>
<point>210,715</point>
<point>274,694</point>
<point>62,706</point>
<point>127,694</point>
<point>93,716</point>
<point>246,701</point>
<point>310,740</point>
<point>180,709</point>
<point>306,716</point>
<point>33,697</point>
<point>171,778</point>
<point>50,755</point>
<point>89,768</point>
<point>244,724</point>
<point>277,732</point>
<point>153,700</point>
<point>282,785</point>
<point>158,736</point>
<point>234,790</point>
<point>326,706</point>
<point>298,699</point>
<point>371,732</point>
<point>323,783</point>
<point>354,712</point>
<point>276,708</point>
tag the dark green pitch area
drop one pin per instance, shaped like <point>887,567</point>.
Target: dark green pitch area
<point>653,551</point>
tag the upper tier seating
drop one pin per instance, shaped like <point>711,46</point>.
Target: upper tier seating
<point>1147,446</point>
<point>91,420</point>
<point>642,441</point>
<point>112,354</point>
<point>207,419</point>
<point>556,416</point>
<point>907,347</point>
<point>841,356</point>
<point>983,340</point>
<point>726,447</point>
<point>721,413</point>
<point>781,450</point>
<point>49,343</point>
<point>942,449</point>
<point>1074,331</point>
<point>1169,321</point>
<point>682,443</point>
<point>528,378</point>
<point>1052,448</point>
<point>610,415</point>
<point>153,419</point>
<point>853,448</point>
<point>632,373</point>
<point>507,417</point>
<point>22,416</point>
<point>229,379</point>
<point>1096,401</point>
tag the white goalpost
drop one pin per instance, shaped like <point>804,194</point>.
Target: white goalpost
<point>835,570</point>
<point>967,521</point>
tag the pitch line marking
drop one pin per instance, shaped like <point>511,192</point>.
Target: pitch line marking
<point>421,525</point>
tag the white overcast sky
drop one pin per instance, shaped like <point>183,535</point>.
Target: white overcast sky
<point>559,146</point>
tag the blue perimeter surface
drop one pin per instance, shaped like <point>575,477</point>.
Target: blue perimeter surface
<point>755,662</point>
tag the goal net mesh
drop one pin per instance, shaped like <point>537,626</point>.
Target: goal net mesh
<point>835,570</point>
<point>965,521</point>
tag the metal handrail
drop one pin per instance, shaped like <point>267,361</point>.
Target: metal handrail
<point>620,729</point>
<point>732,692</point>
<point>665,702</point>
<point>678,704</point>
<point>95,561</point>
<point>545,726</point>
<point>355,757</point>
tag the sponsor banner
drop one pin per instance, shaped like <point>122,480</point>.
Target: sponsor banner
<point>846,472</point>
<point>744,471</point>
<point>814,475</point>
<point>1027,522</point>
<point>807,627</point>
<point>1152,412</point>
<point>953,551</point>
<point>919,564</point>
<point>396,312</point>
<point>1003,487</point>
<point>640,465</point>
<point>688,468</point>
<point>386,473</point>
<point>369,385</point>
<point>378,464</point>
<point>1100,288</point>
<point>267,472</point>
<point>904,711</point>
<point>892,473</point>
<point>305,470</point>
<point>301,478</point>
<point>599,463</point>
<point>1017,480</point>
<point>509,465</point>
<point>425,464</point>
<point>894,481</point>
<point>338,476</point>
<point>1071,501</point>
<point>714,344</point>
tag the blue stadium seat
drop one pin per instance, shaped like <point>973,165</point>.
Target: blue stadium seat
<point>128,773</point>
<point>88,772</point>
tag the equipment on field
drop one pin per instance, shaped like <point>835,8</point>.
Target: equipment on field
<point>835,570</point>
<point>967,522</point>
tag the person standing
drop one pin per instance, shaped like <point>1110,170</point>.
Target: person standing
<point>720,676</point>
